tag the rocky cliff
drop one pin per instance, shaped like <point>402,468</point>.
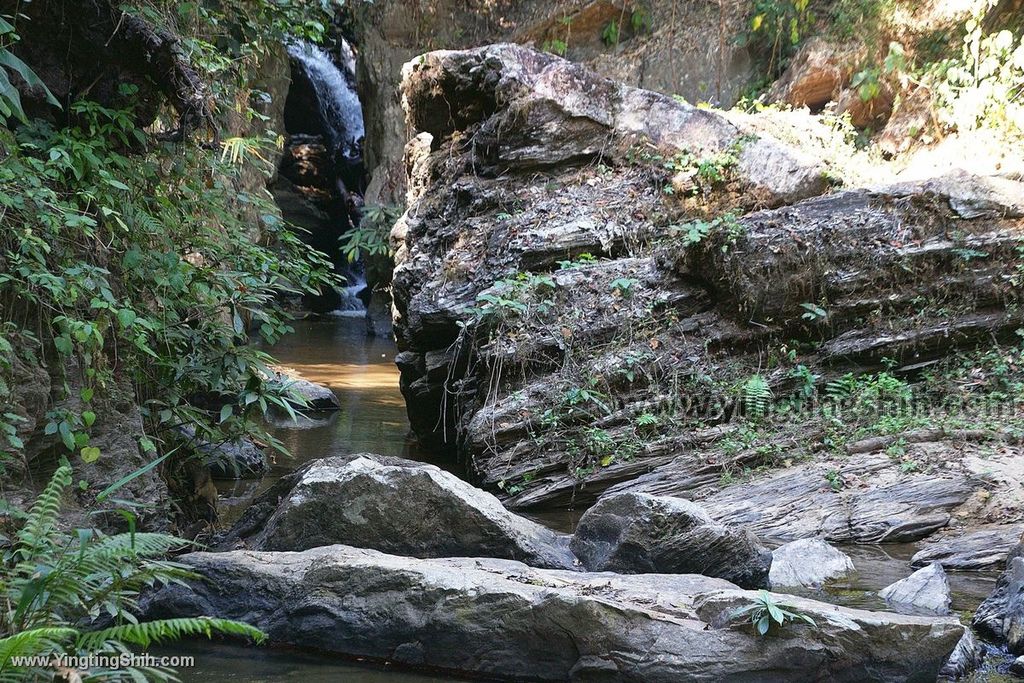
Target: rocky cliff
<point>601,286</point>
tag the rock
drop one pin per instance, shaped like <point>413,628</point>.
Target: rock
<point>967,656</point>
<point>501,619</point>
<point>632,533</point>
<point>1017,667</point>
<point>807,563</point>
<point>312,397</point>
<point>873,113</point>
<point>797,502</point>
<point>973,549</point>
<point>241,459</point>
<point>534,109</point>
<point>1001,615</point>
<point>816,74</point>
<point>396,506</point>
<point>924,591</point>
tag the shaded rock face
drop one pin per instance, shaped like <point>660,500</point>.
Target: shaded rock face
<point>397,506</point>
<point>241,459</point>
<point>807,563</point>
<point>1001,615</point>
<point>504,620</point>
<point>524,354</point>
<point>635,533</point>
<point>924,591</point>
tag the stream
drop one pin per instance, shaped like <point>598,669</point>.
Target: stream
<point>360,370</point>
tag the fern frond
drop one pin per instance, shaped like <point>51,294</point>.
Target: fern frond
<point>34,642</point>
<point>39,530</point>
<point>146,633</point>
<point>757,397</point>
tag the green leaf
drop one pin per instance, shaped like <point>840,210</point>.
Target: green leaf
<point>226,412</point>
<point>88,418</point>
<point>775,612</point>
<point>86,394</point>
<point>10,94</point>
<point>762,624</point>
<point>63,345</point>
<point>64,429</point>
<point>90,454</point>
<point>8,59</point>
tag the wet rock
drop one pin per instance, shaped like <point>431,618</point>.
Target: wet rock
<point>924,591</point>
<point>807,563</point>
<point>970,549</point>
<point>502,619</point>
<point>967,656</point>
<point>1001,615</point>
<point>396,506</point>
<point>632,533</point>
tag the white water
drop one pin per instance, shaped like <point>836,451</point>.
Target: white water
<point>351,305</point>
<point>339,104</point>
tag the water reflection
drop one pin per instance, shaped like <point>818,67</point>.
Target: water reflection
<point>225,662</point>
<point>362,373</point>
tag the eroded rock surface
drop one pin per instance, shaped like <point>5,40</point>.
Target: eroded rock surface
<point>632,533</point>
<point>396,506</point>
<point>505,620</point>
<point>1001,615</point>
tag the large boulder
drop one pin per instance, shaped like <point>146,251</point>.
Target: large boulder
<point>1001,615</point>
<point>924,591</point>
<point>807,563</point>
<point>503,620</point>
<point>397,506</point>
<point>632,533</point>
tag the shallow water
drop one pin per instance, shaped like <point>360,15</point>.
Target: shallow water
<point>222,662</point>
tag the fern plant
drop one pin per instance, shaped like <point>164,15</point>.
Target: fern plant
<point>77,595</point>
<point>757,397</point>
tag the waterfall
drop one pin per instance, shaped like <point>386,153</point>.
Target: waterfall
<point>340,109</point>
<point>353,297</point>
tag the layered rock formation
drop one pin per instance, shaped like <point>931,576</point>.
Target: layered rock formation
<point>591,278</point>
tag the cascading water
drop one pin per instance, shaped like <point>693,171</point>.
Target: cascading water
<point>340,116</point>
<point>353,297</point>
<point>340,109</point>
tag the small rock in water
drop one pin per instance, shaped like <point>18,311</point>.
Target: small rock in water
<point>808,563</point>
<point>637,533</point>
<point>926,590</point>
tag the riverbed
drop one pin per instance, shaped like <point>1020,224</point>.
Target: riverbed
<point>360,369</point>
